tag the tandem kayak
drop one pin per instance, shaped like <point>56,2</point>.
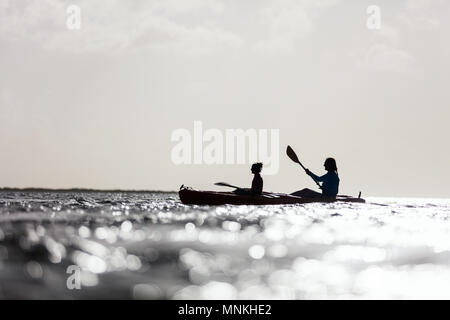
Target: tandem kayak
<point>190,196</point>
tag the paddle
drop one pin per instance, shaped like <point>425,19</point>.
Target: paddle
<point>224,184</point>
<point>293,156</point>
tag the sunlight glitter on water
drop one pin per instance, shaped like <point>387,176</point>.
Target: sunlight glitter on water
<point>150,246</point>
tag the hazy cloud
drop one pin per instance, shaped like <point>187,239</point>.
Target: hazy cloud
<point>94,120</point>
<point>115,25</point>
<point>173,7</point>
<point>420,14</point>
<point>388,33</point>
<point>287,22</point>
<point>384,57</point>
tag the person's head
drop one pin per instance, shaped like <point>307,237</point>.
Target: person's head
<point>330,164</point>
<point>257,167</point>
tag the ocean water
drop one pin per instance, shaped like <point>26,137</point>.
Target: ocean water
<point>97,245</point>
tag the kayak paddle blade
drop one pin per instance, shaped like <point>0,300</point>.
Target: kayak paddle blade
<point>291,154</point>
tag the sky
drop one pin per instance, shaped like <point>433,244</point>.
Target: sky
<point>96,107</point>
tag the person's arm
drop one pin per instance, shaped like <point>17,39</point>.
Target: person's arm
<point>315,177</point>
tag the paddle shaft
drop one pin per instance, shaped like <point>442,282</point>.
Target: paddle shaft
<point>318,184</point>
<point>224,184</point>
<point>293,156</point>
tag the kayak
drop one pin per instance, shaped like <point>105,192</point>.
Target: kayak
<point>190,196</point>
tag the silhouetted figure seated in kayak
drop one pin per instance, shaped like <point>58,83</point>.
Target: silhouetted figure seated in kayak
<point>330,182</point>
<point>257,183</point>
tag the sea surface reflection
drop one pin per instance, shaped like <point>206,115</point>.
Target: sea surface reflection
<point>150,246</point>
